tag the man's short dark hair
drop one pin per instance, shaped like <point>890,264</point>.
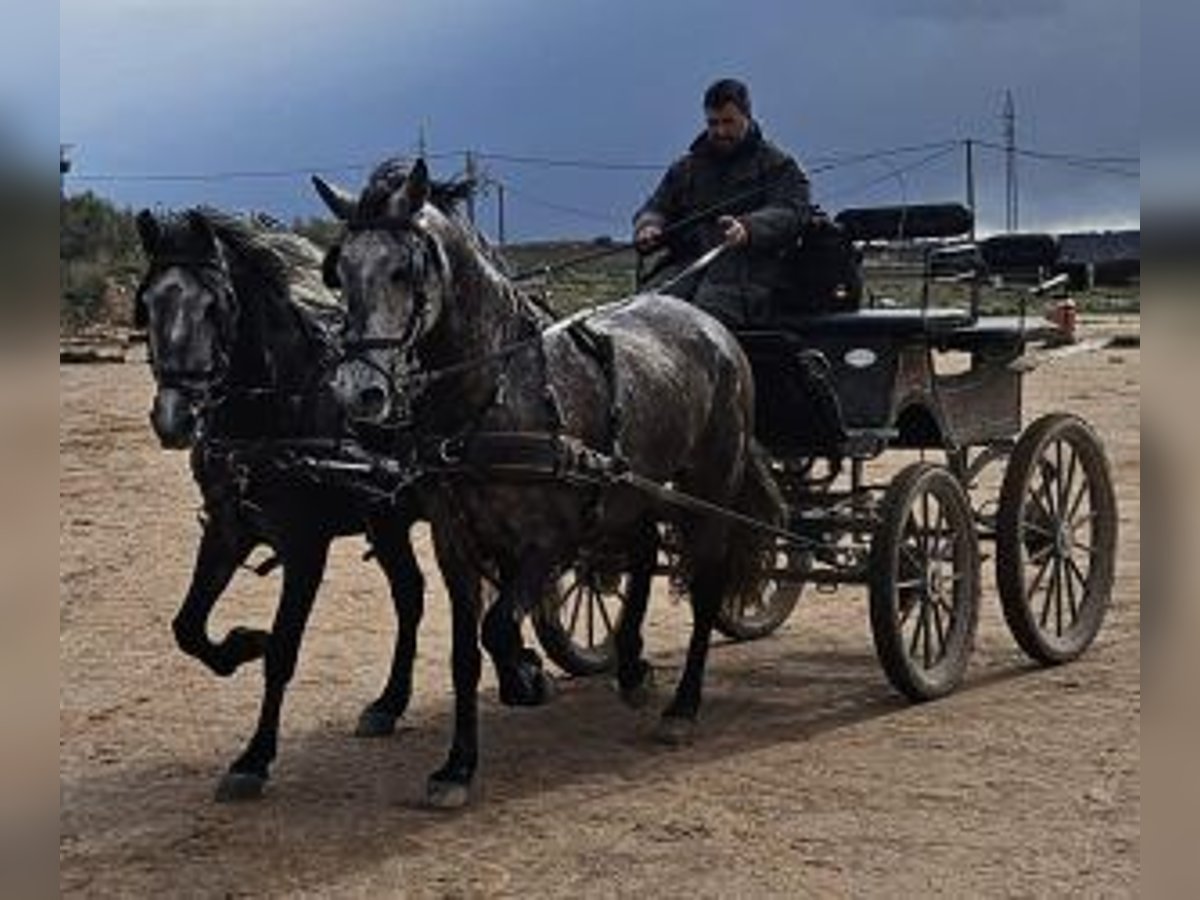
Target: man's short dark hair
<point>728,90</point>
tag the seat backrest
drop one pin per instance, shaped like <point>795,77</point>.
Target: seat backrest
<point>822,272</point>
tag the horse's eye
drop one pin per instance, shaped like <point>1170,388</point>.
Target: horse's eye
<point>397,276</point>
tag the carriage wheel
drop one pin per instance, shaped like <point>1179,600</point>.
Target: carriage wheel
<point>747,617</point>
<point>924,582</point>
<point>577,620</point>
<point>1056,538</point>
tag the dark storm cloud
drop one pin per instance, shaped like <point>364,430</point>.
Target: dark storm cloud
<point>226,85</point>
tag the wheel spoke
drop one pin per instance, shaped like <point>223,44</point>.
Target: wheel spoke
<point>913,556</point>
<point>1045,620</point>
<point>1059,590</point>
<point>591,617</point>
<point>1042,553</point>
<point>927,611</point>
<point>1037,579</point>
<point>924,527</point>
<point>1086,548</point>
<point>1088,516</point>
<point>1064,474</point>
<point>1043,496</point>
<point>940,628</point>
<point>916,635</point>
<point>1073,606</point>
<point>1073,509</point>
<point>1074,567</point>
<point>1057,498</point>
<point>604,615</point>
<point>577,590</point>
<point>1068,488</point>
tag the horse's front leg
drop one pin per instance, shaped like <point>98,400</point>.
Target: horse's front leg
<point>303,567</point>
<point>450,786</point>
<point>223,547</point>
<point>393,549</point>
<point>523,680</point>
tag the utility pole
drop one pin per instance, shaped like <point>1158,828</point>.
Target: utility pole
<point>500,210</point>
<point>472,175</point>
<point>970,150</point>
<point>421,148</point>
<point>1011,214</point>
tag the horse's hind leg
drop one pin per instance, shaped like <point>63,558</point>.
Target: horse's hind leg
<point>523,681</point>
<point>303,566</point>
<point>634,675</point>
<point>707,589</point>
<point>393,549</point>
<point>223,547</point>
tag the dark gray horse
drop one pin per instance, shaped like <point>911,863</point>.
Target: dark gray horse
<point>437,334</point>
<point>241,334</point>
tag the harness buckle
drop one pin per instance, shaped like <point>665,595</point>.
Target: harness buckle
<point>450,451</point>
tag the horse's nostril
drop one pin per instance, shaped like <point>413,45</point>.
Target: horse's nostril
<point>372,402</point>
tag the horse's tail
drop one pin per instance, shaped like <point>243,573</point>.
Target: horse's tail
<point>751,550</point>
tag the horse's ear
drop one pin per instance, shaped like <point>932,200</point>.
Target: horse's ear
<point>416,185</point>
<point>201,229</point>
<point>339,201</point>
<point>329,268</point>
<point>149,231</point>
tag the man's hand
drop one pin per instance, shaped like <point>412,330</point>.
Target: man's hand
<point>647,237</point>
<point>736,234</point>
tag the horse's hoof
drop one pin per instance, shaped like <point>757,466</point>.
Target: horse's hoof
<point>238,787</point>
<point>674,731</point>
<point>638,695</point>
<point>528,687</point>
<point>375,723</point>
<point>447,794</point>
<point>247,644</point>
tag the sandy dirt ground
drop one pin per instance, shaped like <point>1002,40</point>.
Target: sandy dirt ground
<point>808,776</point>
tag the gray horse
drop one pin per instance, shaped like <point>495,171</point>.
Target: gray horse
<point>440,340</point>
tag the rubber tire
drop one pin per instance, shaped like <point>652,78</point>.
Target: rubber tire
<point>905,674</point>
<point>1039,644</point>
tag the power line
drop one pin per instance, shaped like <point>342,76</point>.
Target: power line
<point>235,175</point>
<point>834,161</point>
<point>899,170</point>
<point>818,164</point>
<point>561,207</point>
<point>1104,165</point>
<point>548,162</point>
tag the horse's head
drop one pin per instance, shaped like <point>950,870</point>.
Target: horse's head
<point>189,309</point>
<point>395,278</point>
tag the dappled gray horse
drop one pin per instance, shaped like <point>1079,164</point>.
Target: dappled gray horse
<point>241,332</point>
<point>440,340</point>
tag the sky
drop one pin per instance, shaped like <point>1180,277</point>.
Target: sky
<point>271,90</point>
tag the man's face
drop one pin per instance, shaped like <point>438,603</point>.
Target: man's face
<point>726,125</point>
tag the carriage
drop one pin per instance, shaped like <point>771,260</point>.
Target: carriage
<point>837,391</point>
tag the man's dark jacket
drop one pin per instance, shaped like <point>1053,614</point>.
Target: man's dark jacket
<point>757,183</point>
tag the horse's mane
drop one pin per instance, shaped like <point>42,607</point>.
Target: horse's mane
<point>281,263</point>
<point>447,196</point>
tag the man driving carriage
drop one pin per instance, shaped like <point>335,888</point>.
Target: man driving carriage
<point>732,187</point>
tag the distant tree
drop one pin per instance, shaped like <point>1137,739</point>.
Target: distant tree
<point>98,251</point>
